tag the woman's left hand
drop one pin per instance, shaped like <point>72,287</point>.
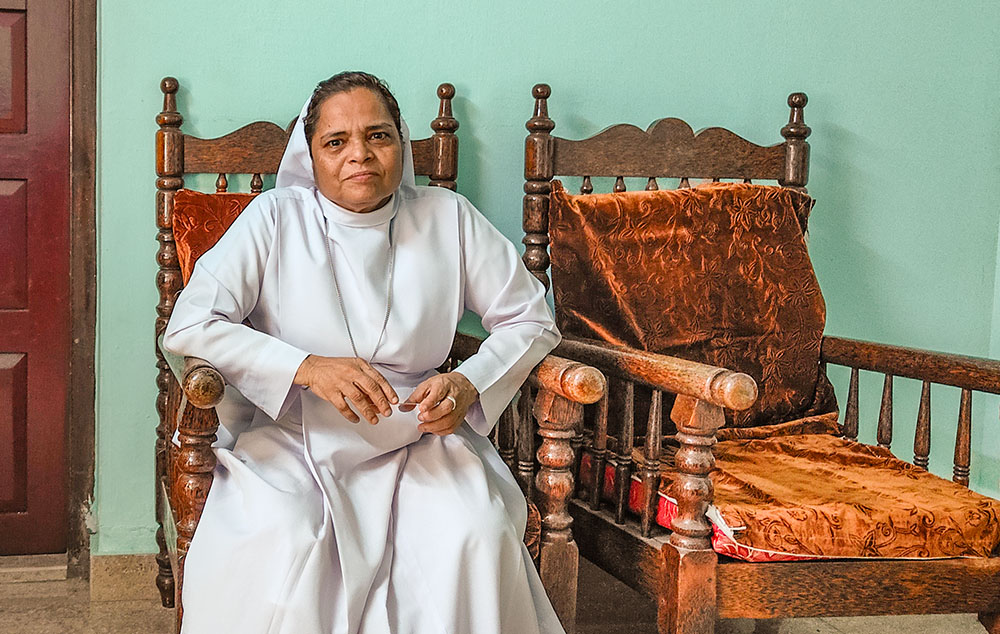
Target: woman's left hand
<point>442,401</point>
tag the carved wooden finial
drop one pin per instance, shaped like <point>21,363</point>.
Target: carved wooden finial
<point>540,121</point>
<point>619,185</point>
<point>221,184</point>
<point>445,169</point>
<point>796,148</point>
<point>796,128</point>
<point>169,117</point>
<point>256,184</point>
<point>445,121</point>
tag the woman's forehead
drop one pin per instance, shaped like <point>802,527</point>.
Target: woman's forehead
<point>354,109</point>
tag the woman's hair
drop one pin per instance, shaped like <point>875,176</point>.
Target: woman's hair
<point>345,82</point>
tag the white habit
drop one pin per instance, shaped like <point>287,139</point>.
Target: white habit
<point>315,525</point>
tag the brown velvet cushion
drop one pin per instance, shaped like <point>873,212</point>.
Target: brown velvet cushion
<point>819,495</point>
<point>200,220</point>
<point>718,274</point>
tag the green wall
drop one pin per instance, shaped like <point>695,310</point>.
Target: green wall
<point>903,107</point>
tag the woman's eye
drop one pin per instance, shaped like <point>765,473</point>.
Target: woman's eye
<point>334,142</point>
<point>379,136</point>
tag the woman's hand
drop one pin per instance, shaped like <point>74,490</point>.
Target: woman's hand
<point>443,401</point>
<point>339,379</point>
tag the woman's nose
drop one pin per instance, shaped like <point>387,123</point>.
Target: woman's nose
<point>359,151</point>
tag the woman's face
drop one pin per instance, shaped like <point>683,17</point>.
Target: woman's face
<point>356,151</point>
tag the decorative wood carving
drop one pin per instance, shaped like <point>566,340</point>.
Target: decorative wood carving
<point>444,164</point>
<point>669,149</point>
<point>169,172</point>
<point>537,185</point>
<point>851,411</point>
<point>557,419</point>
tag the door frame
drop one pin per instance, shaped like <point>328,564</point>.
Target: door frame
<point>80,424</point>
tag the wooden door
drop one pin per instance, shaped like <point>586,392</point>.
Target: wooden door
<point>34,273</point>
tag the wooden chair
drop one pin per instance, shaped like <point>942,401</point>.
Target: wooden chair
<point>188,389</point>
<point>678,568</point>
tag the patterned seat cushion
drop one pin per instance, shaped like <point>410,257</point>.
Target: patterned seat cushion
<point>817,496</point>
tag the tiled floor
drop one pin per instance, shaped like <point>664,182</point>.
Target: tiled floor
<point>605,606</point>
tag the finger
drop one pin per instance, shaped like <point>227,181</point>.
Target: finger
<point>383,384</point>
<point>435,393</point>
<point>344,409</point>
<point>362,403</point>
<point>414,398</point>
<point>441,426</point>
<point>443,408</point>
<point>374,394</point>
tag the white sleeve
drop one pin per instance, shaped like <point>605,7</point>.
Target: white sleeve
<point>207,318</point>
<point>511,303</point>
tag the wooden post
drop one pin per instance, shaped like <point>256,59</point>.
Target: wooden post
<point>687,600</point>
<point>796,148</point>
<point>445,168</point>
<point>169,172</point>
<point>558,421</point>
<point>195,464</point>
<point>538,172</point>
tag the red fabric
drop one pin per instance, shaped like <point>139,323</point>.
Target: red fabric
<point>200,220</point>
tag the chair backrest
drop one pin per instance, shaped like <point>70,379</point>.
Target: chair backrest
<point>669,148</point>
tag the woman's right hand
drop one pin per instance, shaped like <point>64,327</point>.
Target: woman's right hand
<point>339,379</point>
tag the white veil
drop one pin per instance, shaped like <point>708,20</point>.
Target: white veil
<point>296,163</point>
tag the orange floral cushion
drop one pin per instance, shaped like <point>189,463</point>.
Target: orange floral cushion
<point>200,220</point>
<point>718,274</point>
<point>816,496</point>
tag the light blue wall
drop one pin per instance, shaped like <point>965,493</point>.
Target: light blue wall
<point>903,106</point>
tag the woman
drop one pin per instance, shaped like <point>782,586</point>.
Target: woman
<point>354,279</point>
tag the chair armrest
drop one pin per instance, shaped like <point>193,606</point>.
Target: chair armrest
<point>970,373</point>
<point>572,380</point>
<point>715,385</point>
<point>203,385</point>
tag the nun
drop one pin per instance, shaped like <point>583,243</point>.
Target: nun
<point>358,493</point>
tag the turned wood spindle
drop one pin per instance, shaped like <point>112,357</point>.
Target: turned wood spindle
<point>506,438</point>
<point>444,172</point>
<point>256,184</point>
<point>851,411</point>
<point>716,179</point>
<point>586,187</point>
<point>623,457</point>
<point>651,185</point>
<point>525,444</point>
<point>651,463</point>
<point>922,436</point>
<point>795,132</point>
<point>885,414</point>
<point>963,440</point>
<point>599,453</point>
<point>685,183</point>
<point>221,184</point>
<point>619,185</point>
<point>169,172</point>
<point>687,605</point>
<point>747,181</point>
<point>195,464</point>
<point>538,172</point>
<point>558,419</point>
<point>697,422</point>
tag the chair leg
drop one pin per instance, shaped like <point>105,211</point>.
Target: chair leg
<point>991,621</point>
<point>687,592</point>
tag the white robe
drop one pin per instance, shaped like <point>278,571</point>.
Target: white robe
<point>315,525</point>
